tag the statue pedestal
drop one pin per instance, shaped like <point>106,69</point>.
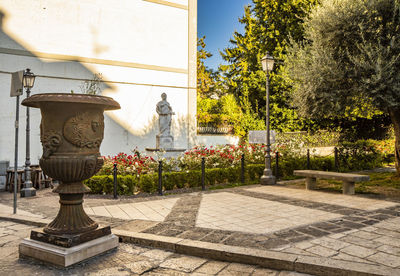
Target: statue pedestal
<point>168,152</point>
<point>164,142</point>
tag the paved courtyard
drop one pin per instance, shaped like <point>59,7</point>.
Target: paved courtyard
<point>127,260</point>
<point>354,229</point>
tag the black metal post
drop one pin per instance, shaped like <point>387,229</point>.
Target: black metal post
<point>277,165</point>
<point>267,178</point>
<point>115,181</point>
<point>160,177</point>
<point>336,159</point>
<point>28,190</point>
<point>203,173</point>
<point>308,159</point>
<point>16,156</point>
<point>242,169</point>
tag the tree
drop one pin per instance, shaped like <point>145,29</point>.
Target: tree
<point>349,62</point>
<point>208,81</point>
<point>268,24</point>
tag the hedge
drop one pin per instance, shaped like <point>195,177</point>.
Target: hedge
<point>128,184</point>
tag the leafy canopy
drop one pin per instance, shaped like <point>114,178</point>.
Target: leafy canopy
<point>267,26</point>
<point>349,63</point>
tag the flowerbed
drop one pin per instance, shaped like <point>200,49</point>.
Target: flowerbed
<point>138,173</point>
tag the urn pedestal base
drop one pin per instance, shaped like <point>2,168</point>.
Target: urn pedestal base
<point>69,240</point>
<point>28,192</point>
<point>64,257</point>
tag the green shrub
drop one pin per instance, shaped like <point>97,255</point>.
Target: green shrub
<point>254,171</point>
<point>148,183</point>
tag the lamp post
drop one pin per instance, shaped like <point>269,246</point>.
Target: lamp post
<point>28,191</point>
<point>267,178</point>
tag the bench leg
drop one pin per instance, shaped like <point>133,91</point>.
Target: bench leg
<point>348,188</point>
<point>311,183</point>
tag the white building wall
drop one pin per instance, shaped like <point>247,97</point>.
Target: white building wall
<point>142,48</point>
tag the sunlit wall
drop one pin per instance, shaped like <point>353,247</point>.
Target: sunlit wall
<point>142,48</point>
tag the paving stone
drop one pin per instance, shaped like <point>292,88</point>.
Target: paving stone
<point>273,243</point>
<point>214,237</point>
<point>6,223</point>
<point>287,234</point>
<point>358,251</point>
<point>172,232</point>
<point>140,267</point>
<point>110,271</point>
<point>389,249</point>
<point>183,263</point>
<point>386,259</point>
<point>369,222</point>
<point>321,251</point>
<point>291,273</point>
<point>330,243</point>
<point>7,239</point>
<point>355,218</point>
<point>264,272</point>
<point>165,271</point>
<point>325,226</point>
<point>304,245</point>
<point>196,234</point>
<point>350,224</point>
<point>365,235</point>
<point>387,233</point>
<point>313,231</point>
<point>346,257</point>
<point>236,269</point>
<point>157,254</point>
<point>388,241</point>
<point>369,229</point>
<point>359,241</point>
<point>297,251</point>
<point>132,249</point>
<point>298,239</point>
<point>380,217</point>
<point>336,236</point>
<point>18,227</point>
<point>211,267</point>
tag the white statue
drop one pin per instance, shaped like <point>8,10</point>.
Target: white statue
<point>164,110</point>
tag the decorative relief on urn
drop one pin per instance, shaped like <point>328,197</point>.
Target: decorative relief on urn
<point>85,130</point>
<point>51,140</point>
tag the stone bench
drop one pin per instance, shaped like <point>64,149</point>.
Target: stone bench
<point>347,179</point>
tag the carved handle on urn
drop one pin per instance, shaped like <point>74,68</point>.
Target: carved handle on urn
<point>51,141</point>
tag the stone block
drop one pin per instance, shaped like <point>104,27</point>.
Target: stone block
<point>164,142</point>
<point>64,257</point>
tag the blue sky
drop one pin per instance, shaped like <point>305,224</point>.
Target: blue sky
<point>217,20</point>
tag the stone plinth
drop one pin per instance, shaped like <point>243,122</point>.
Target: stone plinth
<point>168,152</point>
<point>64,257</point>
<point>164,142</point>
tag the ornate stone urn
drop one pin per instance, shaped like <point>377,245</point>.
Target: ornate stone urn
<point>71,131</point>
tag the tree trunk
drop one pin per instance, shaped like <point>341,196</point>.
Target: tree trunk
<point>395,117</point>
